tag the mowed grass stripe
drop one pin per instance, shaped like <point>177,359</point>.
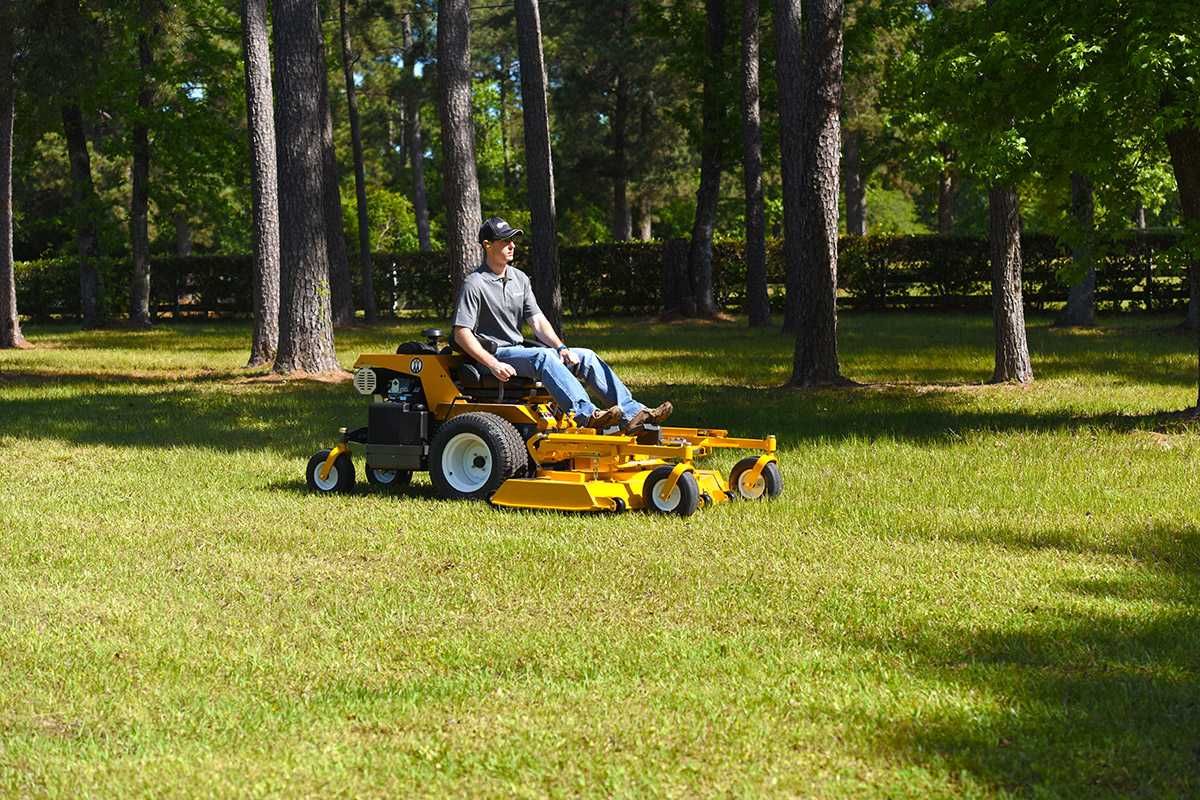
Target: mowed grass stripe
<point>965,590</point>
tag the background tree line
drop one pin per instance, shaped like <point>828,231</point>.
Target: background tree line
<point>140,128</point>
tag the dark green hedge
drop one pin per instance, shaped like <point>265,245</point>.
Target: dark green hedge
<point>1148,270</point>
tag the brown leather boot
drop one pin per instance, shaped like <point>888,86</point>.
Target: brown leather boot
<point>603,418</point>
<point>650,416</point>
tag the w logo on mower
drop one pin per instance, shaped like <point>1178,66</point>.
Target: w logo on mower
<point>414,366</point>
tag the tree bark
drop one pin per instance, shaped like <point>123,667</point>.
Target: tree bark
<point>305,319</point>
<point>539,162</point>
<point>412,122</point>
<point>1080,310</point>
<point>645,224</point>
<point>264,186</point>
<point>460,187</point>
<point>789,50</point>
<point>10,321</point>
<point>816,357</point>
<point>341,286</point>
<point>700,251</point>
<point>1184,146</point>
<point>856,189</point>
<point>84,208</point>
<point>946,191</point>
<point>139,289</point>
<point>758,307</point>
<point>622,222</point>
<point>183,226</point>
<point>366,269</point>
<point>1008,311</point>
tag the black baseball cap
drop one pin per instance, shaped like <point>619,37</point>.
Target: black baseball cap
<point>494,229</point>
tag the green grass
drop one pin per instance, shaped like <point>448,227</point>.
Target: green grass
<point>965,590</point>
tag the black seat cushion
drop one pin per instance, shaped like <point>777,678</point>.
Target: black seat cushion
<point>473,376</point>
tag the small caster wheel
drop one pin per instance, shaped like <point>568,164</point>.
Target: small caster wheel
<point>389,478</point>
<point>706,499</point>
<point>768,486</point>
<point>683,499</point>
<point>618,505</point>
<point>339,479</point>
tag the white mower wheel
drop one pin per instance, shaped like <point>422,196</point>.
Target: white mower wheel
<point>768,486</point>
<point>389,478</point>
<point>339,479</point>
<point>683,500</point>
<point>472,454</point>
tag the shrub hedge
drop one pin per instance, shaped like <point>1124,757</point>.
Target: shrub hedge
<point>1145,269</point>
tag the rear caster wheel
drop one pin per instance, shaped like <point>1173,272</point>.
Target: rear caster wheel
<point>339,479</point>
<point>389,478</point>
<point>768,486</point>
<point>683,500</point>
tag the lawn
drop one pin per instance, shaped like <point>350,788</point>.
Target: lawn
<point>965,590</point>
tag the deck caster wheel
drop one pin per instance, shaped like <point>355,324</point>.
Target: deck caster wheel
<point>768,486</point>
<point>683,500</point>
<point>618,505</point>
<point>339,479</point>
<point>389,478</point>
<point>706,499</point>
<point>472,454</point>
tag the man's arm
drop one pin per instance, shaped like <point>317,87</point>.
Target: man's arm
<point>467,342</point>
<point>545,332</point>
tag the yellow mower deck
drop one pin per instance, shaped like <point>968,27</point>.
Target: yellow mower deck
<point>570,468</point>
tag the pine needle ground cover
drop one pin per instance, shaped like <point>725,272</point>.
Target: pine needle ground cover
<point>965,590</point>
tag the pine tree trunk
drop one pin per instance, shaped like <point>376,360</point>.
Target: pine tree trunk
<point>758,307</point>
<point>645,224</point>
<point>622,222</point>
<point>366,269</point>
<point>1080,310</point>
<point>539,162</point>
<point>264,187</point>
<point>1008,311</point>
<point>415,140</point>
<point>502,79</point>
<point>700,252</point>
<point>460,187</point>
<point>183,226</point>
<point>139,287</point>
<point>816,357</point>
<point>340,284</point>
<point>10,321</point>
<point>305,318</point>
<point>856,190</point>
<point>946,190</point>
<point>789,49</point>
<point>84,204</point>
<point>1184,146</point>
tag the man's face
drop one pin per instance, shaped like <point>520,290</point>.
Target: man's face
<point>504,247</point>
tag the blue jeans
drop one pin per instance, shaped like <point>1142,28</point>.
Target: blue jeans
<point>566,384</point>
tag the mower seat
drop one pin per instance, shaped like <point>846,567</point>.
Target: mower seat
<point>482,386</point>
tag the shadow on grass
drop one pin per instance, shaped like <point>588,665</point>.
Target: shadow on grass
<point>300,418</point>
<point>1094,693</point>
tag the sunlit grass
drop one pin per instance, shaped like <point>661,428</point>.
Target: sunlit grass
<point>965,589</point>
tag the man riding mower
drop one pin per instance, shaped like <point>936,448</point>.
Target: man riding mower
<point>511,421</point>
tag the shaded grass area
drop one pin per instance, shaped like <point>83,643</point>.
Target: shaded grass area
<point>964,591</point>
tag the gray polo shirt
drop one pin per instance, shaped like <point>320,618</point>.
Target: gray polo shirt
<point>494,306</point>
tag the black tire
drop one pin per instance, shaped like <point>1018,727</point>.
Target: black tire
<point>684,499</point>
<point>340,478</point>
<point>472,454</point>
<point>767,487</point>
<point>389,478</point>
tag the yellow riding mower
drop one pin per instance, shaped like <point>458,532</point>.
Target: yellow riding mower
<point>509,443</point>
